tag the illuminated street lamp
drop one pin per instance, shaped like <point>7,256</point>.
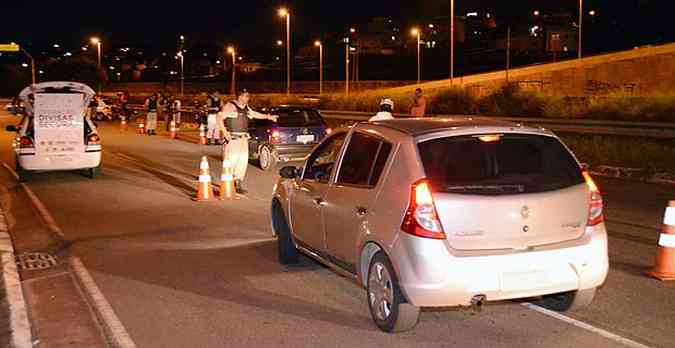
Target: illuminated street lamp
<point>591,13</point>
<point>346,40</point>
<point>318,44</point>
<point>96,41</point>
<point>232,51</point>
<point>536,13</point>
<point>283,12</point>
<point>417,33</point>
<point>280,43</point>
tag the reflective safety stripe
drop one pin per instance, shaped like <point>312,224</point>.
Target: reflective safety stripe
<point>667,240</point>
<point>205,178</point>
<point>204,165</point>
<point>227,177</point>
<point>669,218</point>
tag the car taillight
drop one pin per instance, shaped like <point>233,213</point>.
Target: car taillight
<point>328,131</point>
<point>94,140</point>
<point>421,219</point>
<point>275,136</point>
<point>595,214</point>
<point>25,142</point>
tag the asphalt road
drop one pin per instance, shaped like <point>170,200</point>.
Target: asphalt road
<point>184,274</point>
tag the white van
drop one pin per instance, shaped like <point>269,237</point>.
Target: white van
<point>55,133</point>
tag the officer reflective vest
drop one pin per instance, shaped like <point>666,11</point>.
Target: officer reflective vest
<point>240,123</point>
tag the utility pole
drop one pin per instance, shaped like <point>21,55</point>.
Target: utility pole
<point>581,24</point>
<point>347,65</point>
<point>452,41</point>
<point>508,52</point>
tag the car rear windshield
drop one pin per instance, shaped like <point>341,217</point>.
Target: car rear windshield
<point>498,164</point>
<point>299,118</point>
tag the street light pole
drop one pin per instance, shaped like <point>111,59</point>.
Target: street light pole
<point>581,21</point>
<point>97,42</point>
<point>181,54</point>
<point>285,13</point>
<point>320,45</point>
<point>452,41</point>
<point>233,87</point>
<point>417,32</point>
<point>347,65</point>
<point>32,63</point>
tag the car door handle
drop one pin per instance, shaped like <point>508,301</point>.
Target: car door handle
<point>320,202</point>
<point>360,211</point>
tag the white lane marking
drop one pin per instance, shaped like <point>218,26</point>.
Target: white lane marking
<point>11,171</point>
<point>18,314</point>
<point>580,324</point>
<point>46,216</point>
<point>113,327</point>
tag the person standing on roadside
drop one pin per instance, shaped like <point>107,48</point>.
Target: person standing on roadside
<point>213,107</point>
<point>175,110</point>
<point>419,106</point>
<point>233,122</point>
<point>151,105</point>
<point>386,110</point>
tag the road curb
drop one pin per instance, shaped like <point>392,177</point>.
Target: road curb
<point>19,323</point>
<point>114,331</point>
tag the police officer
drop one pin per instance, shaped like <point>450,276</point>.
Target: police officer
<point>233,122</point>
<point>214,106</point>
<point>151,105</point>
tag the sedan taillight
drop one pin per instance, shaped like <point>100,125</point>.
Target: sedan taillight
<point>26,142</point>
<point>595,207</point>
<point>421,219</point>
<point>93,139</point>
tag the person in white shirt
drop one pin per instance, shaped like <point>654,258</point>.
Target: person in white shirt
<point>386,108</point>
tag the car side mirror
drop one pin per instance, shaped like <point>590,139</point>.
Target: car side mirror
<point>11,128</point>
<point>288,172</point>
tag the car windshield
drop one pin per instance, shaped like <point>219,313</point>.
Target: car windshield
<point>299,118</point>
<point>498,164</point>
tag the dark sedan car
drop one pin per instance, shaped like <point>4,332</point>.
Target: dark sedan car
<point>292,137</point>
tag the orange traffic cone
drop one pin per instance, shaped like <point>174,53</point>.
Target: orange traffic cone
<point>227,181</point>
<point>204,189</point>
<point>172,130</point>
<point>141,127</point>
<point>123,124</point>
<point>665,252</point>
<point>202,135</point>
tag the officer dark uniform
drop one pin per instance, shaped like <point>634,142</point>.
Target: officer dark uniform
<point>233,122</point>
<point>213,105</point>
<point>152,105</point>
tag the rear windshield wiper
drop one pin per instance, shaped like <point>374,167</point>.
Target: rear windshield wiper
<point>487,188</point>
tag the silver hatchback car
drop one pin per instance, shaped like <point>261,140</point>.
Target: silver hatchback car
<point>446,212</point>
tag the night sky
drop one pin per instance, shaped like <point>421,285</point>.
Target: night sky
<point>254,23</point>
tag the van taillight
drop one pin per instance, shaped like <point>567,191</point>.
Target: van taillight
<point>26,142</point>
<point>595,207</point>
<point>94,139</point>
<point>421,219</point>
<point>329,131</point>
<point>274,136</point>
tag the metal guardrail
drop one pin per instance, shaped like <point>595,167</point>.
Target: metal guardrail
<point>658,130</point>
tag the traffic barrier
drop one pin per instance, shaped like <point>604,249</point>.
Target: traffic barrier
<point>227,190</point>
<point>172,130</point>
<point>664,268</point>
<point>123,124</point>
<point>141,127</point>
<point>202,135</point>
<point>204,189</point>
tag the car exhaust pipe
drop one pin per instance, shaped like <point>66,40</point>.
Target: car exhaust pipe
<point>477,302</point>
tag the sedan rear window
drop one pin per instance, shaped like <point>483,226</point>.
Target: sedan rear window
<point>499,164</point>
<point>299,118</point>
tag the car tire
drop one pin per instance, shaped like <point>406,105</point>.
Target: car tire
<point>92,172</point>
<point>21,173</point>
<point>388,307</point>
<point>287,252</point>
<point>266,158</point>
<point>568,301</point>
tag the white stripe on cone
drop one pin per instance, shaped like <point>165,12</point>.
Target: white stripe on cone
<point>669,218</point>
<point>667,240</point>
<point>205,178</point>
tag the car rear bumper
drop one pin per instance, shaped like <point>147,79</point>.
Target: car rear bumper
<point>84,160</point>
<point>293,152</point>
<point>431,276</point>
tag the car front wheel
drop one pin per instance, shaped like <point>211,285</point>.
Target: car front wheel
<point>568,301</point>
<point>266,158</point>
<point>388,306</point>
